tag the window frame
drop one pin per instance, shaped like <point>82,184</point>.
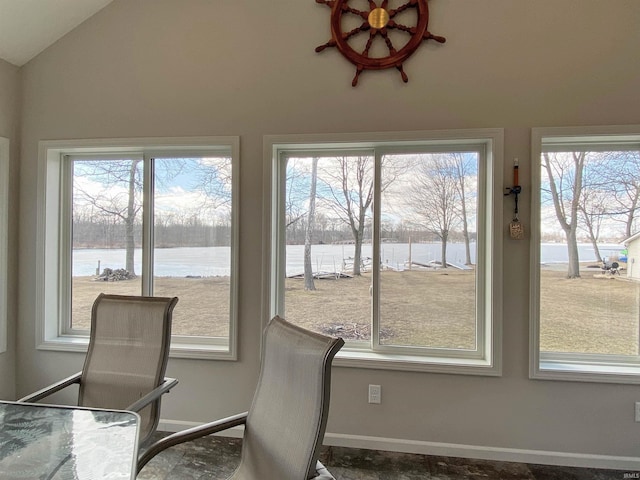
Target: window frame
<point>571,366</point>
<point>4,239</point>
<point>488,282</point>
<point>52,325</point>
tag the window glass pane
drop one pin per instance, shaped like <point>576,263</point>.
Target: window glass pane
<point>394,245</point>
<point>192,242</point>
<point>327,216</point>
<point>106,232</point>
<point>589,293</point>
<point>428,250</point>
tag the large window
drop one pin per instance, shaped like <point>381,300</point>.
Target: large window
<point>141,218</point>
<point>392,245</point>
<point>4,232</point>
<point>585,306</point>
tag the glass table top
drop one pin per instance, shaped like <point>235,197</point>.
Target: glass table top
<point>40,441</point>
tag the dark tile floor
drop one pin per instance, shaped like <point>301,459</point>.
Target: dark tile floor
<point>216,457</point>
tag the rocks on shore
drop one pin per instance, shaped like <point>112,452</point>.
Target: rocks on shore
<point>110,275</point>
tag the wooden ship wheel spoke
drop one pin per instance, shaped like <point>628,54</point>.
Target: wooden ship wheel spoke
<point>378,21</point>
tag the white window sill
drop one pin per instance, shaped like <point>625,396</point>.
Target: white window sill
<point>193,350</point>
<point>587,372</point>
<point>416,363</point>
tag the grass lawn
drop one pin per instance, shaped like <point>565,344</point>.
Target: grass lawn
<point>592,314</point>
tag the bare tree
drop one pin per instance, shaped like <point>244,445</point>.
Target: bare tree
<point>434,196</point>
<point>296,196</point>
<point>464,166</point>
<point>113,189</point>
<point>592,207</point>
<point>594,204</point>
<point>565,182</point>
<point>624,183</point>
<point>308,271</point>
<point>347,186</point>
<point>214,176</point>
<point>122,203</point>
<point>349,183</point>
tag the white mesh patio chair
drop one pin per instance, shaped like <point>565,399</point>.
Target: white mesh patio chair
<point>126,360</point>
<point>284,427</point>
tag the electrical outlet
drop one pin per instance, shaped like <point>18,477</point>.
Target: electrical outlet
<point>375,395</point>
<point>637,411</point>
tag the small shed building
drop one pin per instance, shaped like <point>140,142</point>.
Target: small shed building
<point>633,256</point>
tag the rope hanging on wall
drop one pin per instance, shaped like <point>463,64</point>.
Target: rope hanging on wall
<point>516,229</point>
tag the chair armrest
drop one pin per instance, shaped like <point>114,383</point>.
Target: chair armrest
<point>54,387</point>
<point>153,395</point>
<point>190,434</point>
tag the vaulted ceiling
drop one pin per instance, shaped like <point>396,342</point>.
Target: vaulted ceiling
<point>27,27</point>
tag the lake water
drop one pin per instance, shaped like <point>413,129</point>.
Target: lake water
<point>215,261</point>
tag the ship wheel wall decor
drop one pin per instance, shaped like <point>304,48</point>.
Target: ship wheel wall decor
<point>378,22</point>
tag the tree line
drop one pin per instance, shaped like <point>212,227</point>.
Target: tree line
<point>101,234</point>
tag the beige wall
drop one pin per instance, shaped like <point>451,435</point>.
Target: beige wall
<point>9,123</point>
<point>241,67</point>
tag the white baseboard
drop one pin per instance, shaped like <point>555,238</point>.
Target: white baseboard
<point>484,452</point>
<point>630,464</point>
